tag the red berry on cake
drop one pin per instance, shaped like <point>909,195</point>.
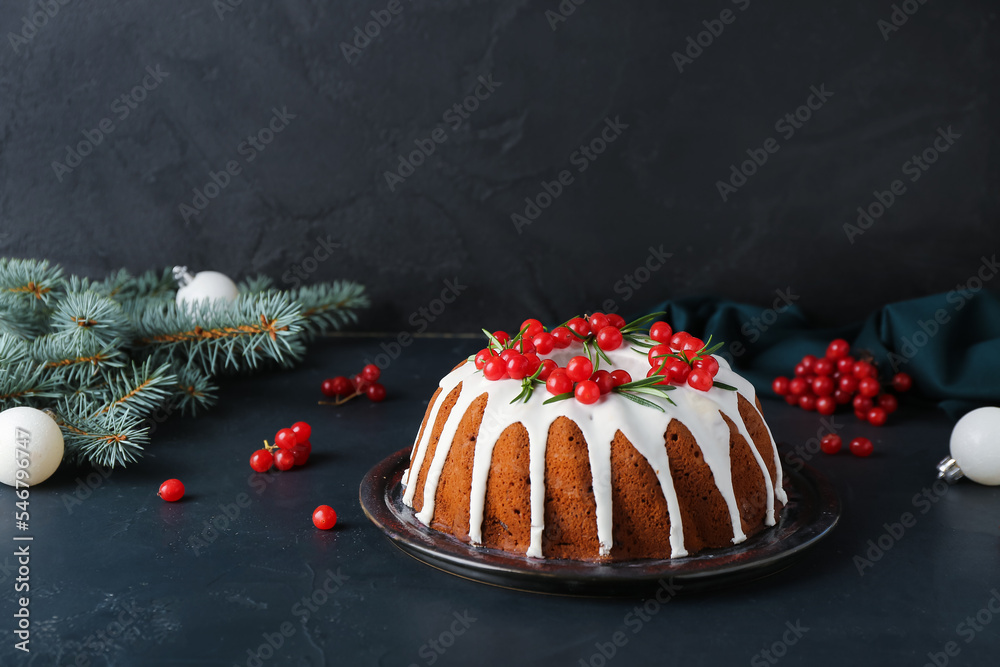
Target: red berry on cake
<point>661,332</point>
<point>579,369</point>
<point>677,340</point>
<point>609,338</point>
<point>656,354</point>
<point>598,321</point>
<point>562,337</point>
<point>620,377</point>
<point>708,363</point>
<point>543,342</point>
<point>692,344</point>
<point>531,328</point>
<point>579,326</point>
<point>587,392</point>
<point>502,337</point>
<point>517,367</point>
<point>548,365</point>
<point>495,369</point>
<point>559,383</point>
<point>483,356</point>
<point>617,321</point>
<point>603,381</point>
<point>700,379</point>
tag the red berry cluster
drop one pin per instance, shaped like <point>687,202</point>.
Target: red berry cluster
<point>831,444</point>
<point>681,358</point>
<point>517,358</point>
<point>821,384</point>
<point>291,448</point>
<point>346,388</point>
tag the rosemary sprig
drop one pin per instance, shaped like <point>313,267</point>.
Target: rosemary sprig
<point>559,397</point>
<point>528,386</point>
<point>723,385</point>
<point>649,386</point>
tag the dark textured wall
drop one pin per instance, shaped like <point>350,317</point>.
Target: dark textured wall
<point>229,65</point>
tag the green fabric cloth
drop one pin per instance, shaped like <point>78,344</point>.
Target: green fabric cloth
<point>949,343</point>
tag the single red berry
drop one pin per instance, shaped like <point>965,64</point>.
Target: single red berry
<point>562,337</point>
<point>286,438</point>
<point>842,397</point>
<point>661,332</point>
<point>620,377</point>
<point>888,403</point>
<point>301,452</point>
<point>327,387</point>
<point>877,416</point>
<point>533,362</point>
<point>360,383</point>
<point>845,364</point>
<point>780,385</point>
<point>655,354</point>
<point>792,399</point>
<point>869,387</point>
<point>677,371</point>
<point>524,346</point>
<point>826,405</point>
<point>587,392</point>
<point>517,367</point>
<point>483,356</point>
<point>324,517</point>
<point>808,361</point>
<point>847,383</point>
<point>284,459</point>
<point>371,373</point>
<point>798,386</point>
<point>692,344</point>
<point>609,338</point>
<point>801,370</point>
<point>508,354</point>
<point>677,340</point>
<point>502,337</point>
<point>543,342</point>
<point>598,321</point>
<point>261,460</point>
<point>837,349</point>
<point>823,367</point>
<point>531,328</point>
<point>700,379</point>
<point>171,490</point>
<point>861,447</point>
<point>709,363</point>
<point>831,443</point>
<point>822,385</point>
<point>302,431</point>
<point>902,382</point>
<point>603,380</point>
<point>579,369</point>
<point>579,326</point>
<point>547,366</point>
<point>558,383</point>
<point>375,393</point>
<point>807,402</point>
<point>495,369</point>
<point>862,403</point>
<point>863,369</point>
<point>617,321</point>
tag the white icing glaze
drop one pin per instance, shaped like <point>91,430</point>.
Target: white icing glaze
<point>644,427</point>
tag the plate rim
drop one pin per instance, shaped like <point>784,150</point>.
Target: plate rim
<point>447,553</point>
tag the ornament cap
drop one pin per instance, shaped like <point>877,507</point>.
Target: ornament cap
<point>949,471</point>
<point>182,276</point>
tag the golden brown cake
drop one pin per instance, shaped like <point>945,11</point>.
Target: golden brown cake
<point>613,479</point>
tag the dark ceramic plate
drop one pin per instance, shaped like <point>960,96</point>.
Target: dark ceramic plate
<point>811,513</point>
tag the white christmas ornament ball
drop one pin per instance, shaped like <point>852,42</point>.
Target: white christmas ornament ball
<point>30,441</point>
<point>210,285</point>
<point>975,445</point>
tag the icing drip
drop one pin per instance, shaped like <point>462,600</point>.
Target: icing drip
<point>645,428</point>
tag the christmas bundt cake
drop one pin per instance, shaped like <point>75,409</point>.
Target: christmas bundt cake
<point>596,441</point>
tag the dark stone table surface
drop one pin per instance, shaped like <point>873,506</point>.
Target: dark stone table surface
<point>118,577</point>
